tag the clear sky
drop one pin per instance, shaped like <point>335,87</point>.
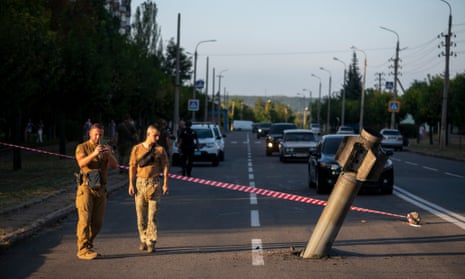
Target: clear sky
<point>272,47</point>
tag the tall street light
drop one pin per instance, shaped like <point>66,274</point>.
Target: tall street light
<point>362,101</point>
<point>309,106</point>
<point>396,66</point>
<point>343,109</point>
<point>319,99</point>
<point>445,93</point>
<point>329,101</point>
<point>195,71</point>
<point>219,95</point>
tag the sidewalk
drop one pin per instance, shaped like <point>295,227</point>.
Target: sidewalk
<point>23,220</point>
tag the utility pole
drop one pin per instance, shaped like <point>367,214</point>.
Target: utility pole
<point>176,90</point>
<point>443,135</point>
<point>205,116</point>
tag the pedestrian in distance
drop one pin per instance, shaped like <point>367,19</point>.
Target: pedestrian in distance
<point>182,126</point>
<point>126,138</point>
<point>147,161</point>
<point>187,143</point>
<point>93,159</point>
<point>165,137</point>
<point>40,132</point>
<point>86,129</point>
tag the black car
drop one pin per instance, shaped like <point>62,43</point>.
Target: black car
<point>262,129</point>
<point>323,169</point>
<point>275,135</point>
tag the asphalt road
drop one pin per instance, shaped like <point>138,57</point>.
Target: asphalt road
<point>209,232</point>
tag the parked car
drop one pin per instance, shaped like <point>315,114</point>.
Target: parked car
<point>275,135</point>
<point>209,149</point>
<point>296,144</point>
<point>345,130</point>
<point>324,170</point>
<point>262,129</point>
<point>392,138</point>
<point>315,127</point>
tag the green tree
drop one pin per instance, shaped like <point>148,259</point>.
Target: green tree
<point>353,85</point>
<point>169,63</point>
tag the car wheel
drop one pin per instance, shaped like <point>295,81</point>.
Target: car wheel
<point>387,190</point>
<point>268,153</point>
<point>386,182</point>
<point>310,182</point>
<point>319,188</point>
<point>215,161</point>
<point>221,155</point>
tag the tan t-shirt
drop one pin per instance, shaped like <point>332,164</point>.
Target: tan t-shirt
<point>154,169</point>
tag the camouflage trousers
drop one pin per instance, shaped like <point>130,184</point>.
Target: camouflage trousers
<point>147,200</point>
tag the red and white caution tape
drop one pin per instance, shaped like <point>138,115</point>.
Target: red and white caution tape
<point>235,187</point>
<point>273,194</point>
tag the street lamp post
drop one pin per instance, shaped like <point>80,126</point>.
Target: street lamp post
<point>309,105</point>
<point>343,109</point>
<point>396,66</point>
<point>219,95</point>
<point>319,99</point>
<point>445,93</point>
<point>303,110</point>
<point>362,101</point>
<point>329,101</point>
<point>195,70</point>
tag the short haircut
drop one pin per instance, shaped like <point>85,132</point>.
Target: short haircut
<point>96,126</point>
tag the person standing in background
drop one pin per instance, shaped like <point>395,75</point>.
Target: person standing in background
<point>127,137</point>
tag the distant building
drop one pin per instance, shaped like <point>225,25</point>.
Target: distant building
<point>122,10</point>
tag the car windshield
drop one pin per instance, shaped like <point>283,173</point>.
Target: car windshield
<point>330,145</point>
<point>203,133</point>
<point>264,125</point>
<point>299,137</point>
<point>278,129</point>
<point>391,133</point>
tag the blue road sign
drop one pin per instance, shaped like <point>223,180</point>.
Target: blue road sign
<point>394,106</point>
<point>389,85</point>
<point>199,84</point>
<point>193,105</point>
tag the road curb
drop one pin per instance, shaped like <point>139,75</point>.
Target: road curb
<point>50,218</point>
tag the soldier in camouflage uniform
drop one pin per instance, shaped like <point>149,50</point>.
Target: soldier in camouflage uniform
<point>148,189</point>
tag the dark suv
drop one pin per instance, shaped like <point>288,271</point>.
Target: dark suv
<point>262,129</point>
<point>275,135</point>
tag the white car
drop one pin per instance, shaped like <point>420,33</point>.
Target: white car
<point>392,138</point>
<point>209,150</point>
<point>297,144</point>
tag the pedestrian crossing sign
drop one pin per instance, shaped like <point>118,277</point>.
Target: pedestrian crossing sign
<point>394,106</point>
<point>193,105</point>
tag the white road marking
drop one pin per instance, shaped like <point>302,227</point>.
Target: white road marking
<point>254,218</point>
<point>437,210</point>
<point>253,199</point>
<point>453,174</point>
<point>257,249</point>
<point>428,168</point>
<point>257,252</point>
